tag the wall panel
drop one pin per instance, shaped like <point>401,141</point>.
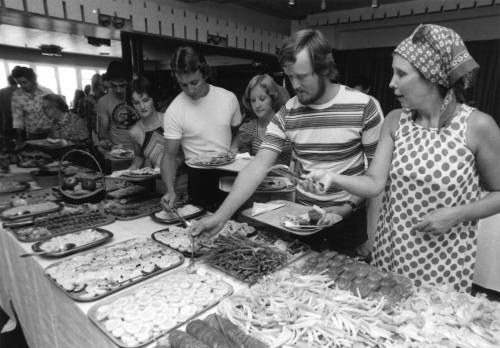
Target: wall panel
<point>34,6</point>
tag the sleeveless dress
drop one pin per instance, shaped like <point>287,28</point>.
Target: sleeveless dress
<point>152,146</point>
<point>430,169</point>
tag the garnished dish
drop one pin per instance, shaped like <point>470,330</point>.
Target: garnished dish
<point>136,317</point>
<point>81,240</point>
<point>89,276</point>
<point>213,331</point>
<point>13,186</point>
<point>29,197</point>
<point>128,209</point>
<point>33,159</point>
<point>313,221</point>
<point>244,259</point>
<point>49,142</point>
<point>122,153</point>
<point>178,237</point>
<point>61,222</point>
<point>187,211</point>
<point>212,159</point>
<point>30,210</point>
<point>359,277</point>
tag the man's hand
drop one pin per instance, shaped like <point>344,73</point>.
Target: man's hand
<point>209,225</point>
<point>168,200</point>
<point>439,221</point>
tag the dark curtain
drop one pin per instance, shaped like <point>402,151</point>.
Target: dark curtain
<point>376,65</point>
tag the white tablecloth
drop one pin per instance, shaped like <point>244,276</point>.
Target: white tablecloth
<point>487,270</point>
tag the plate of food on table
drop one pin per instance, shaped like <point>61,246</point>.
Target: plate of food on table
<point>211,159</point>
<point>105,270</point>
<point>71,243</point>
<point>141,174</point>
<point>33,159</point>
<point>136,317</point>
<point>50,143</point>
<point>187,211</point>
<point>312,221</point>
<point>27,211</point>
<point>120,153</point>
<point>178,238</point>
<point>13,186</point>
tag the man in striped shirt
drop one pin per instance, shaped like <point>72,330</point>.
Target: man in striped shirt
<point>331,127</point>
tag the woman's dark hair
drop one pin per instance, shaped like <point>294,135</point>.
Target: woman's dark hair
<point>141,85</point>
<point>186,60</point>
<point>278,95</point>
<point>57,101</point>
<point>318,48</point>
<point>22,71</point>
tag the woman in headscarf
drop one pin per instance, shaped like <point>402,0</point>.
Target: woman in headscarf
<point>430,158</point>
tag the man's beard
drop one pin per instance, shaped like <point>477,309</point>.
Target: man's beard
<point>313,98</point>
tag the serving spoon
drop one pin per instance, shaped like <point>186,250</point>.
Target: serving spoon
<point>65,247</point>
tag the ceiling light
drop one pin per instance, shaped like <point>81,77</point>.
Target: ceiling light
<point>291,2</point>
<point>375,3</point>
<point>323,5</point>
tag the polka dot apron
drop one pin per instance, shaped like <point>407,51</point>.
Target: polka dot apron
<point>430,169</point>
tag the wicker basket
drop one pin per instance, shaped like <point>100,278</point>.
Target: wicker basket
<point>92,197</point>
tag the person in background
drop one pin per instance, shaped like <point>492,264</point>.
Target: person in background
<point>96,92</point>
<point>330,127</point>
<point>78,104</point>
<point>86,90</point>
<point>28,118</point>
<point>433,156</point>
<point>65,124</point>
<point>6,108</point>
<point>114,117</point>
<point>201,119</point>
<point>147,133</point>
<point>261,100</point>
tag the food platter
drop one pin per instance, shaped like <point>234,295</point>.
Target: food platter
<point>29,197</point>
<point>33,159</point>
<point>133,209</point>
<point>130,190</point>
<point>122,154</point>
<point>142,174</point>
<point>295,224</point>
<point>211,159</point>
<point>61,222</point>
<point>177,237</point>
<point>13,186</point>
<point>82,240</point>
<point>23,212</point>
<point>105,270</point>
<point>50,143</point>
<point>136,317</point>
<point>187,211</point>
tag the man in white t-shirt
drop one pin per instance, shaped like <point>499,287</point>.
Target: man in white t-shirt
<point>201,119</point>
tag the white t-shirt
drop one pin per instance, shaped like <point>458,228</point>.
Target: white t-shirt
<point>204,125</point>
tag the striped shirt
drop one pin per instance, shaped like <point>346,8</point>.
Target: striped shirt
<point>335,136</point>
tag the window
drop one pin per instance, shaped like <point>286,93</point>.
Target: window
<point>68,83</point>
<point>47,77</point>
<point>3,76</point>
<point>87,76</point>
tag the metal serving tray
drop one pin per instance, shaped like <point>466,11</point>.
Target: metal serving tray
<point>106,235</point>
<point>159,328</point>
<point>175,220</point>
<point>108,286</point>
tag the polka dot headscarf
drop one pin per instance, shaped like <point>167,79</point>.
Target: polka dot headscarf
<point>440,55</point>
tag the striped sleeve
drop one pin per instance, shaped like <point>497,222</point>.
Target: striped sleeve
<point>370,132</point>
<point>275,138</point>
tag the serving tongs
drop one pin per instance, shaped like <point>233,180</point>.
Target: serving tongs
<point>186,225</point>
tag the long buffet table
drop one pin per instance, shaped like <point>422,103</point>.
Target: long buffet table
<point>48,316</point>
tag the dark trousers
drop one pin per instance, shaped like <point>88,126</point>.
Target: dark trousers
<point>344,237</point>
<point>203,188</point>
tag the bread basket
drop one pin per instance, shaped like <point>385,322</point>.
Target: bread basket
<point>92,183</point>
